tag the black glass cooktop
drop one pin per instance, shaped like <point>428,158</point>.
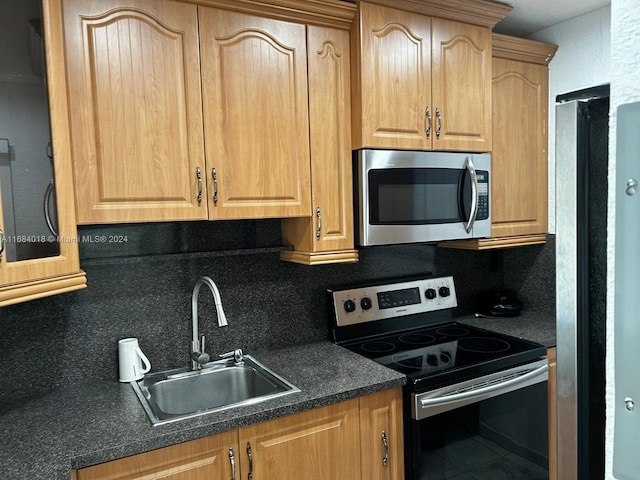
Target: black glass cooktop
<point>446,353</point>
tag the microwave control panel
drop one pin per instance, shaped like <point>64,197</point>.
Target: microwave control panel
<point>483,195</point>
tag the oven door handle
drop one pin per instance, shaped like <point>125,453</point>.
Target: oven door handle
<point>492,390</point>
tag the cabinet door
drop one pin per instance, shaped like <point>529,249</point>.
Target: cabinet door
<point>519,160</point>
<point>461,86</point>
<point>322,444</point>
<point>207,457</point>
<point>256,116</point>
<point>393,68</point>
<point>328,235</point>
<point>381,435</point>
<point>38,238</point>
<point>134,71</point>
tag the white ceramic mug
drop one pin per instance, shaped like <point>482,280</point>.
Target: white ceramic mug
<point>133,363</point>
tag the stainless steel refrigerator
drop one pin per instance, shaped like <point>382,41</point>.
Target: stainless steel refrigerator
<point>582,152</point>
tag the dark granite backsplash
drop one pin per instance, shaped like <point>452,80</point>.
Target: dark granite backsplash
<point>142,288</point>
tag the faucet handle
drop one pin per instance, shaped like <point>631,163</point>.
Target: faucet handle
<point>198,356</point>
<point>237,356</point>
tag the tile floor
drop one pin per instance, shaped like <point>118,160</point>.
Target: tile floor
<point>477,458</point>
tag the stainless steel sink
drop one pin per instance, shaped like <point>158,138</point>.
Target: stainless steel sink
<point>177,394</point>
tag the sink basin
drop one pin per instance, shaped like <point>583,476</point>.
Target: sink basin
<point>177,394</point>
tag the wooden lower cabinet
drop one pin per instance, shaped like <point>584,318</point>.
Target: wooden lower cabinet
<point>381,436</point>
<point>322,444</point>
<point>553,443</point>
<point>205,458</point>
<point>339,441</point>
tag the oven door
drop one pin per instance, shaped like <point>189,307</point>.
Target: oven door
<point>490,427</point>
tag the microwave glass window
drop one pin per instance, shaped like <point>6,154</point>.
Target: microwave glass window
<point>416,203</point>
<point>414,196</point>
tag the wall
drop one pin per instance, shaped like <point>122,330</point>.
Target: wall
<point>625,88</point>
<point>582,61</point>
<point>147,294</point>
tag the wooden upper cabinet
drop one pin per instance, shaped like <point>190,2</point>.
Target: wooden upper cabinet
<point>134,72</point>
<point>256,116</point>
<point>38,243</point>
<point>519,161</point>
<point>392,78</point>
<point>421,82</point>
<point>328,235</point>
<point>461,86</point>
<point>140,124</point>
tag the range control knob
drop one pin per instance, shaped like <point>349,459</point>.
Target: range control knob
<point>430,293</point>
<point>349,306</point>
<point>365,303</point>
<point>444,291</point>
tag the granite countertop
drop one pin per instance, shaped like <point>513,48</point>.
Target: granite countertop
<point>537,327</point>
<point>47,436</point>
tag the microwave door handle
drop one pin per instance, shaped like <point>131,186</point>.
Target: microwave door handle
<point>468,165</point>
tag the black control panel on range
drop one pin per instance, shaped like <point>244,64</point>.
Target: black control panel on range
<point>369,308</point>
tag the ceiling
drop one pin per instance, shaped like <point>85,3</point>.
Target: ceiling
<point>529,16</point>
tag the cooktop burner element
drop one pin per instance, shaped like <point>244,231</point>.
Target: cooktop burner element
<point>484,345</point>
<point>378,347</point>
<point>408,326</point>
<point>453,331</point>
<point>417,339</point>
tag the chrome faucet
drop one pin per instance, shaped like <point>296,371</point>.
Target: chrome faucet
<point>198,355</point>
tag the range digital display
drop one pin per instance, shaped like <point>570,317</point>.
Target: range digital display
<point>399,298</point>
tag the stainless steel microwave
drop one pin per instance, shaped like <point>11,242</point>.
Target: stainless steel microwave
<point>415,197</point>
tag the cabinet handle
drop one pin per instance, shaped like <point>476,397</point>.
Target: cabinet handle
<point>232,460</point>
<point>385,459</point>
<point>250,474</point>
<point>199,177</point>
<point>2,243</point>
<point>439,117</point>
<point>319,230</point>
<point>47,214</point>
<point>427,114</point>
<point>214,176</point>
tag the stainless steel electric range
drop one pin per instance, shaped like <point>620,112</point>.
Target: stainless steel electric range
<point>475,400</point>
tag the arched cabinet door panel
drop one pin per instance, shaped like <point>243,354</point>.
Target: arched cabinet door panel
<point>138,146</point>
<point>461,86</point>
<point>256,115</point>
<point>394,89</point>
